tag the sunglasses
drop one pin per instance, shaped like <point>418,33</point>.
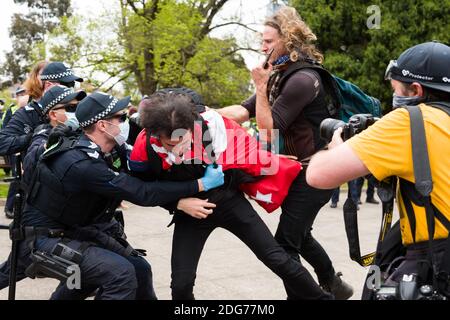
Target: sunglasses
<point>68,107</point>
<point>392,65</point>
<point>122,117</point>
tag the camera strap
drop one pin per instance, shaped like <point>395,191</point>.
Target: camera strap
<point>386,192</point>
<point>424,186</point>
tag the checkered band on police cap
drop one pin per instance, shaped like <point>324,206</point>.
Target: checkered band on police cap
<point>57,76</point>
<point>67,92</point>
<point>101,115</point>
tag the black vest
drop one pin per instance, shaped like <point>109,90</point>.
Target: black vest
<point>47,191</point>
<point>325,105</point>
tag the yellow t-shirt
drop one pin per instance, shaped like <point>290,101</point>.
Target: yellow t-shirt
<point>385,149</point>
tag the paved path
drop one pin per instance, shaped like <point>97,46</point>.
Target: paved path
<point>228,270</point>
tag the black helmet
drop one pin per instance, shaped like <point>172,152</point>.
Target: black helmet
<point>427,63</point>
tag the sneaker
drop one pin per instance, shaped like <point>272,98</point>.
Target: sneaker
<point>372,200</point>
<point>9,214</point>
<point>338,287</point>
<point>333,205</point>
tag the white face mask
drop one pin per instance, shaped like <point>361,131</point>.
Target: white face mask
<point>72,121</point>
<point>122,137</point>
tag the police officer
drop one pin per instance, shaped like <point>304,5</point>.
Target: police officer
<point>21,101</point>
<point>16,136</point>
<point>58,105</point>
<point>84,193</point>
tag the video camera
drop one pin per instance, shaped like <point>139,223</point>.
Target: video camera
<point>355,125</point>
<point>408,289</point>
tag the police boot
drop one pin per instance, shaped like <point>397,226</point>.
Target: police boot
<point>339,288</point>
<point>9,214</point>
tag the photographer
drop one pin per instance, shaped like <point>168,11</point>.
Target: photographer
<point>419,77</point>
<point>291,97</point>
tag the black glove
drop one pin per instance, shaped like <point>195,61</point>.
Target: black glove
<point>58,132</point>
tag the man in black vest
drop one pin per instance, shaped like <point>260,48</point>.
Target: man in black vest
<point>290,98</point>
<point>73,197</point>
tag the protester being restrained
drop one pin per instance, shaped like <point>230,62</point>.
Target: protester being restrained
<point>175,145</point>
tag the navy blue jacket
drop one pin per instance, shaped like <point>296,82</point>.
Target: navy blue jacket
<point>16,136</point>
<point>85,173</point>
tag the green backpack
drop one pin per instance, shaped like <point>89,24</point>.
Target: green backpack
<point>347,99</point>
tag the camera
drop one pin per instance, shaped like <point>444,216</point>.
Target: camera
<point>355,125</point>
<point>408,289</point>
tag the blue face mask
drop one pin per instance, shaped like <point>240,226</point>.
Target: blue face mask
<point>281,60</point>
<point>400,101</point>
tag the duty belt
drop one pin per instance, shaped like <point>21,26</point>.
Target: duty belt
<point>33,232</point>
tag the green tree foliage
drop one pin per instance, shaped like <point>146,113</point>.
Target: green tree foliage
<point>154,44</point>
<point>359,54</point>
<point>28,34</point>
<point>167,43</point>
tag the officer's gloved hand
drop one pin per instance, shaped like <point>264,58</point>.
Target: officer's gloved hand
<point>58,132</point>
<point>213,177</point>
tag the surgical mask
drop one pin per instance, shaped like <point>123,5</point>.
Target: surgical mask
<point>122,137</point>
<point>72,121</point>
<point>400,101</point>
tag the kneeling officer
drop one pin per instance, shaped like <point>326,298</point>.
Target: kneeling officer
<point>74,194</point>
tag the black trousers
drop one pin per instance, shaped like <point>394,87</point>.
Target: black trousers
<point>299,211</point>
<point>236,215</point>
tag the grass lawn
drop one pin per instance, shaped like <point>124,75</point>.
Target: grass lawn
<point>4,190</point>
<point>4,186</point>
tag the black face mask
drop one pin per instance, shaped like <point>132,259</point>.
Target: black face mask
<point>70,84</point>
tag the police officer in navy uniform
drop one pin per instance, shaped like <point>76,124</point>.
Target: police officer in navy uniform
<point>59,105</point>
<point>16,136</point>
<point>74,196</point>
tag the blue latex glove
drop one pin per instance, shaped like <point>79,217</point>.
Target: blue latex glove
<point>213,177</point>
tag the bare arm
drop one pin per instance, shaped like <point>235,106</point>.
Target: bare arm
<point>237,113</point>
<point>329,169</point>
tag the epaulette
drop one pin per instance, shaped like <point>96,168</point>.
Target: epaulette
<point>89,147</point>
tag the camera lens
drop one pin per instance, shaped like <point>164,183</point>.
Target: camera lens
<point>328,127</point>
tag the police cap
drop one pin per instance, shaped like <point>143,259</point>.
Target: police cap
<point>98,106</point>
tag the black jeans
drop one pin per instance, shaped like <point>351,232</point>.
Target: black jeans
<point>299,211</point>
<point>236,215</point>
